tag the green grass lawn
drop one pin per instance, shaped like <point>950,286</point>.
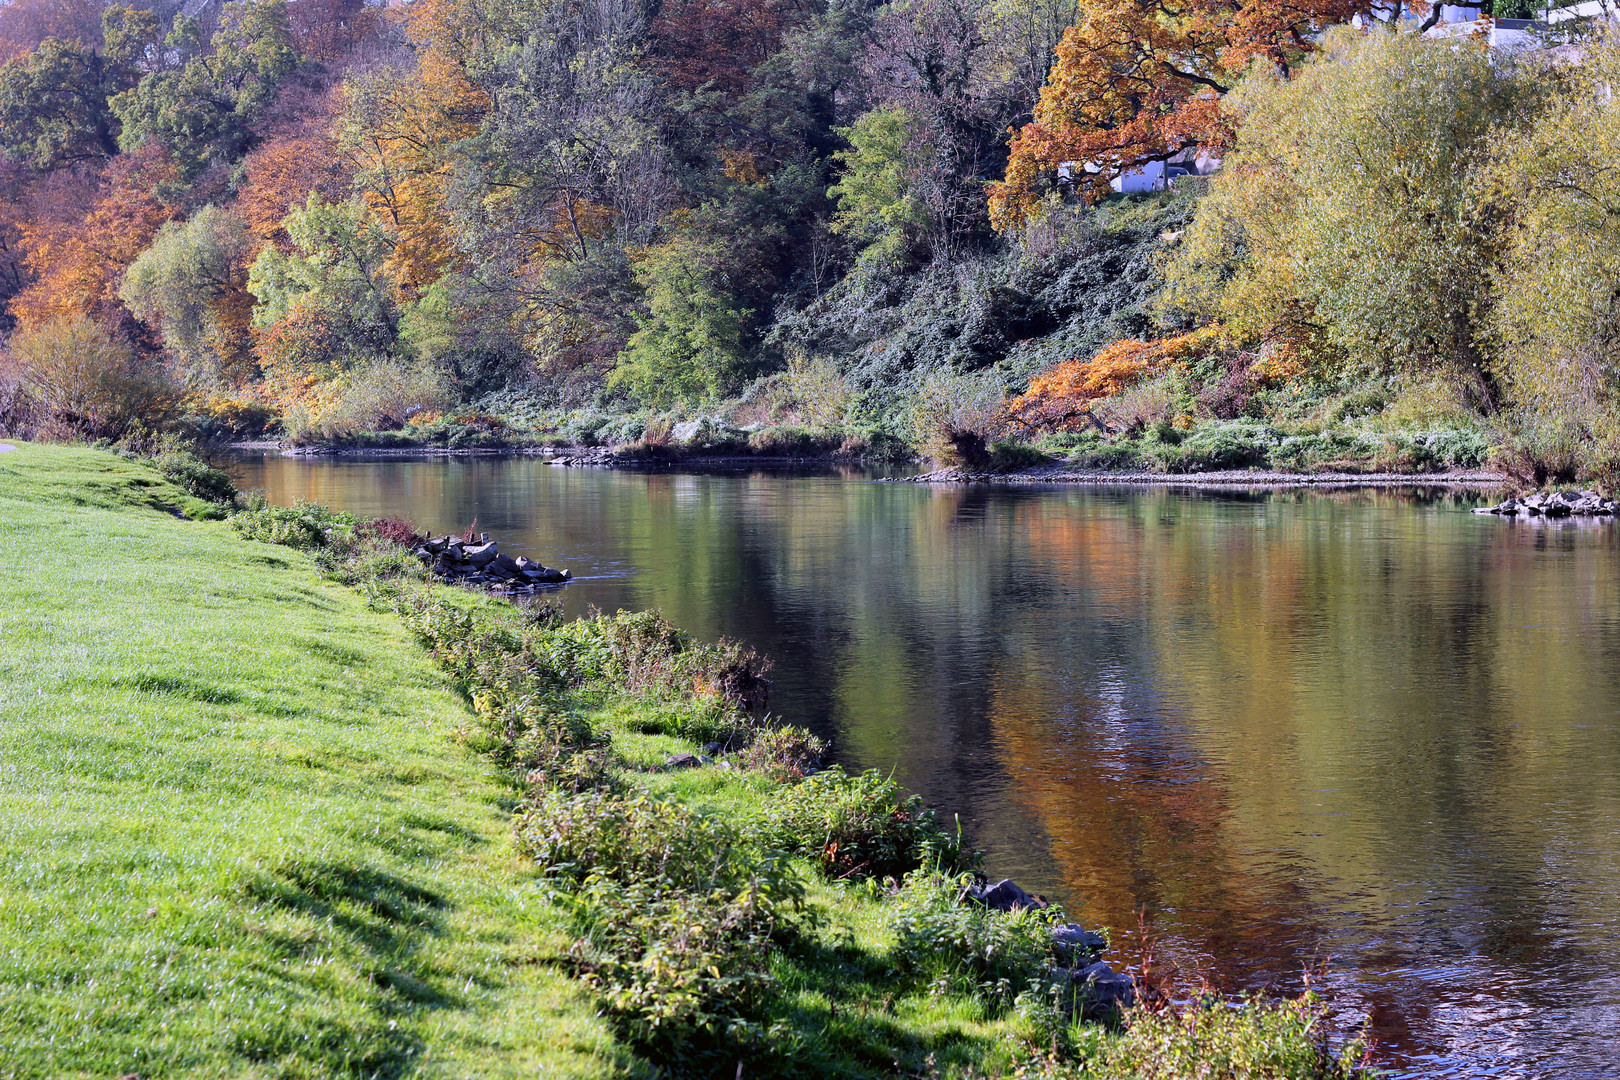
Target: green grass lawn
<point>235,838</point>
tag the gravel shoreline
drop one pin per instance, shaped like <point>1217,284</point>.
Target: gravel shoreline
<point>1223,479</point>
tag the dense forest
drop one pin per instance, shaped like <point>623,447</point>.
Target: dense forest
<point>886,228</point>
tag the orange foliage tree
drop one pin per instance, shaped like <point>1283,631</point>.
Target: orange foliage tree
<point>1061,398</point>
<point>399,133</point>
<point>81,237</point>
<point>1140,80</point>
<point>300,158</point>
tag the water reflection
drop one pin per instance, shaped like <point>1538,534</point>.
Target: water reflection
<point>1287,727</point>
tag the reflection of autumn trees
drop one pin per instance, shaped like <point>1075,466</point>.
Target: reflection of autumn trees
<point>1321,706</point>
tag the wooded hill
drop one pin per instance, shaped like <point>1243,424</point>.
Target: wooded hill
<point>334,218</point>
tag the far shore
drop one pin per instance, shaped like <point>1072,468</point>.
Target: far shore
<point>597,457</point>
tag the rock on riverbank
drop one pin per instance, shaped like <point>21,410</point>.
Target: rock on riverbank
<point>466,562</point>
<point>1555,504</point>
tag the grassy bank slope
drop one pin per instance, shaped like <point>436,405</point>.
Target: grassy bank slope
<point>237,840</point>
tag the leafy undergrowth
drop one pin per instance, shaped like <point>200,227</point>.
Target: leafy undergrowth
<point>252,831</point>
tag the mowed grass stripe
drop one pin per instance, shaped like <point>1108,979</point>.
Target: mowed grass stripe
<point>236,837</point>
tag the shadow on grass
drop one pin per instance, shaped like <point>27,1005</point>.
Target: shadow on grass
<point>173,686</point>
<point>372,921</point>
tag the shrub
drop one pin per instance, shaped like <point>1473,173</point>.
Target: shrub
<point>675,908</point>
<point>1538,451</point>
<point>1459,449</point>
<point>1329,449</point>
<point>785,754</point>
<point>940,938</point>
<point>584,428</point>
<point>1007,455</point>
<point>955,417</point>
<point>1141,406</point>
<point>622,431</point>
<point>1259,1040</point>
<point>196,476</point>
<point>390,530</point>
<point>1064,398</point>
<point>817,392</point>
<point>377,395</point>
<point>81,381</point>
<point>645,651</point>
<point>304,525</point>
<point>791,441</point>
<point>1219,446</point>
<point>860,826</point>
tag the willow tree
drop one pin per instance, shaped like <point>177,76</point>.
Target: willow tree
<point>1351,219</point>
<point>1557,315</point>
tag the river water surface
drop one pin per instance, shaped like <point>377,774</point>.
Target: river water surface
<point>1365,731</point>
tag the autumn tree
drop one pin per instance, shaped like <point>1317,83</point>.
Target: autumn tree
<point>25,24</point>
<point>399,130</point>
<point>1351,214</point>
<point>1137,81</point>
<point>81,236</point>
<point>295,159</point>
<point>716,45</point>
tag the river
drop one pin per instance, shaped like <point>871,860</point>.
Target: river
<point>1361,732</point>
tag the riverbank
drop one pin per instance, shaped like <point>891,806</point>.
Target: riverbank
<point>289,844</point>
<point>1220,478</point>
<point>1056,473</point>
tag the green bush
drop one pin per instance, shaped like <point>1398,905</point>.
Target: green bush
<point>860,826</point>
<point>196,476</point>
<point>784,754</point>
<point>1459,449</point>
<point>1259,1040</point>
<point>1010,455</point>
<point>997,953</point>
<point>645,651</point>
<point>1337,449</point>
<point>1107,455</point>
<point>675,908</point>
<point>1218,446</point>
<point>791,441</point>
<point>622,431</point>
<point>304,525</point>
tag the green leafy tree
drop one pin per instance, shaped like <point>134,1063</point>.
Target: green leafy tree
<point>691,343</point>
<point>191,285</point>
<point>326,306</point>
<point>205,109</point>
<point>53,106</point>
<point>1351,215</point>
<point>878,209</point>
<point>1557,314</point>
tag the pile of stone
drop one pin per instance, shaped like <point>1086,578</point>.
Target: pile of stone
<point>1556,504</point>
<point>478,562</point>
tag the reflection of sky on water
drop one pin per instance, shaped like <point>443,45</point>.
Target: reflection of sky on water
<point>1287,727</point>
